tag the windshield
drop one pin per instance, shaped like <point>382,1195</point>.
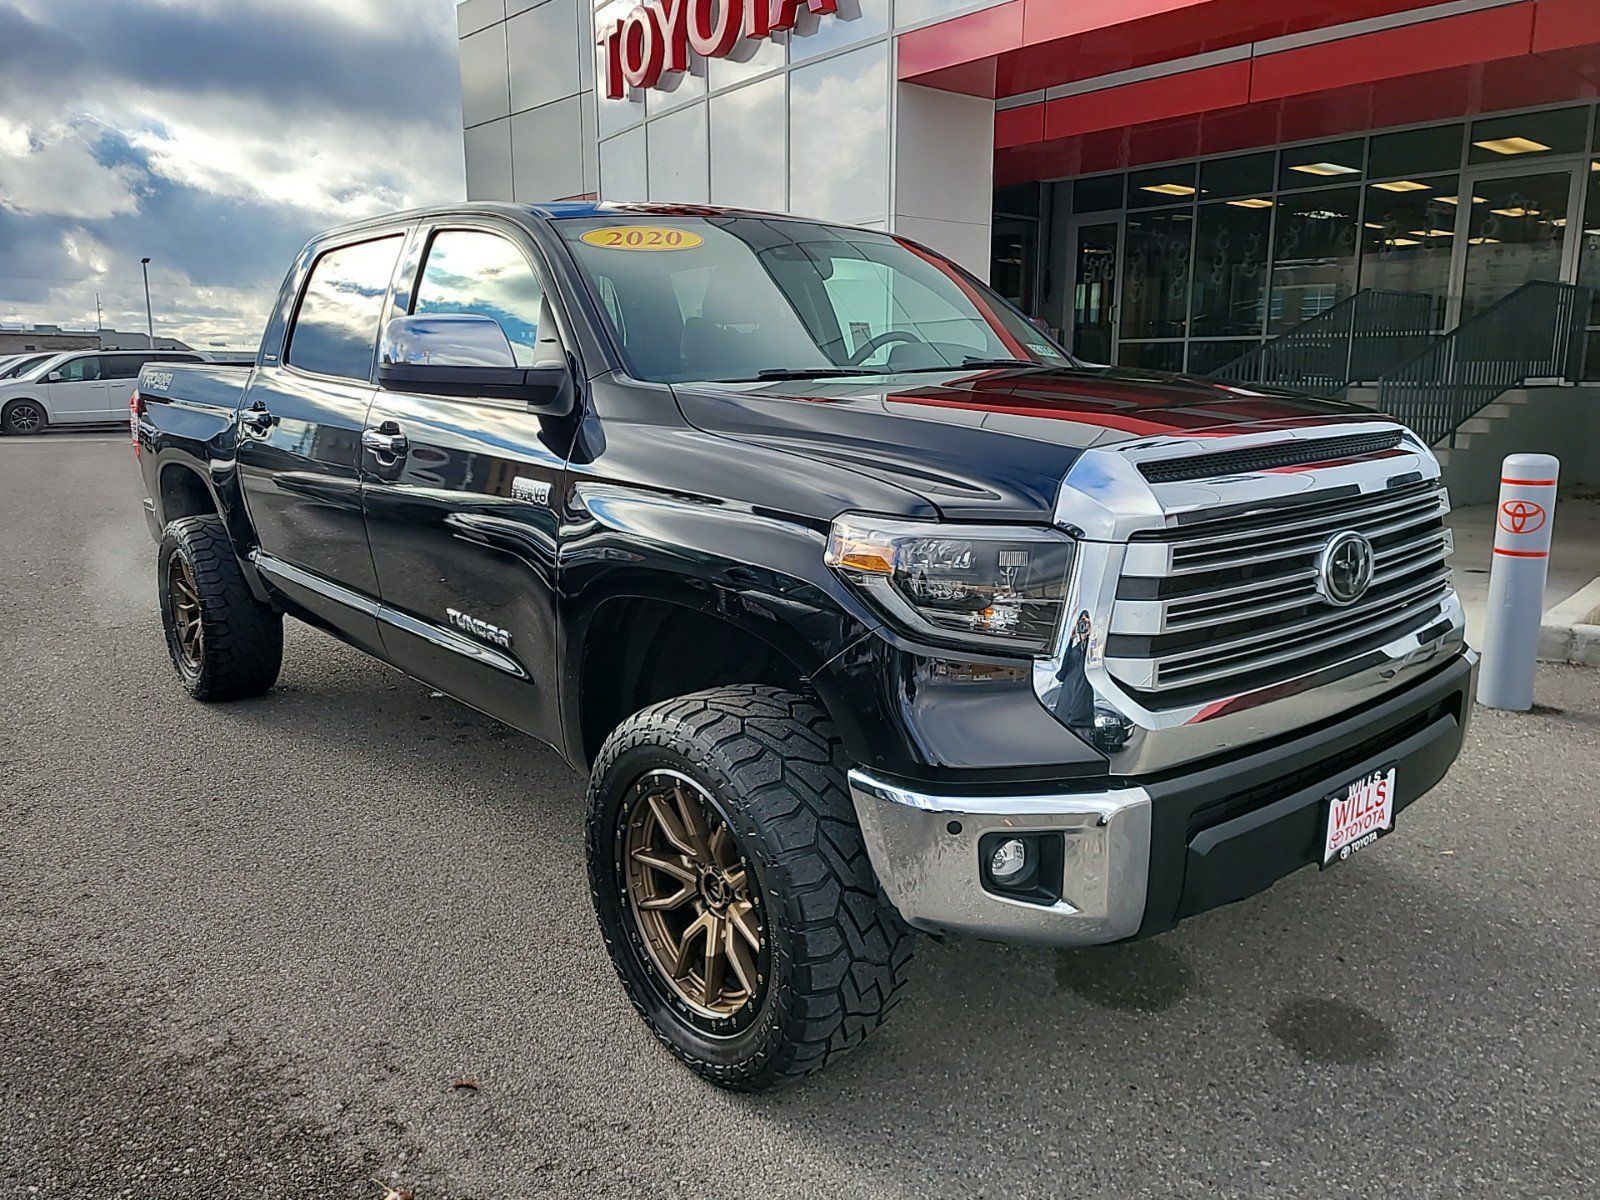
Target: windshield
<point>734,298</point>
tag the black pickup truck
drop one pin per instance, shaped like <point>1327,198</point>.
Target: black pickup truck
<point>865,606</point>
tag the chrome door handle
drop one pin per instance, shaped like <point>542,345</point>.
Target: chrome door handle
<point>386,439</point>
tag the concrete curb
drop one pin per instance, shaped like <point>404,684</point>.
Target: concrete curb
<point>1570,632</point>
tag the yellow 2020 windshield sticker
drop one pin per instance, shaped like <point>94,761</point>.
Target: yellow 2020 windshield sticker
<point>642,237</point>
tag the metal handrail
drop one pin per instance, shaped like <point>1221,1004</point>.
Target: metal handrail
<point>1358,339</point>
<point>1536,332</point>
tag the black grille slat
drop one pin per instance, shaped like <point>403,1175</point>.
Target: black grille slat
<point>1266,458</point>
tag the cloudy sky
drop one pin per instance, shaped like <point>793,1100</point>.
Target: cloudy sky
<point>214,136</point>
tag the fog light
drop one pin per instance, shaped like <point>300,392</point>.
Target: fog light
<point>1009,861</point>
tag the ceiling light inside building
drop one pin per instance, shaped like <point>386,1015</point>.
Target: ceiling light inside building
<point>1169,189</point>
<point>1402,185</point>
<point>1512,145</point>
<point>1326,168</point>
<point>1253,202</point>
<point>1404,242</point>
<point>1515,212</point>
<point>1427,233</point>
<point>1483,241</point>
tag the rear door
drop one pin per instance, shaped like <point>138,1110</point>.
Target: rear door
<point>463,517</point>
<point>299,451</point>
<point>76,390</point>
<point>119,372</point>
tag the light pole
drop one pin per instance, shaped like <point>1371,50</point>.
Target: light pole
<point>149,315</point>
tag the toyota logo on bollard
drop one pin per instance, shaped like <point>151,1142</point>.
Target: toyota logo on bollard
<point>1344,571</point>
<point>1521,516</point>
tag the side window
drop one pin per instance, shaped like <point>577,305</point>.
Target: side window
<point>123,366</point>
<point>336,330</point>
<point>77,370</point>
<point>483,273</point>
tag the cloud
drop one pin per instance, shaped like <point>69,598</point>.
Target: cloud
<point>53,171</point>
<point>215,136</point>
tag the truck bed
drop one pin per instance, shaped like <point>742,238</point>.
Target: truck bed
<point>214,386</point>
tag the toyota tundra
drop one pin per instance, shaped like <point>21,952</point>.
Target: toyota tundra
<point>867,609</point>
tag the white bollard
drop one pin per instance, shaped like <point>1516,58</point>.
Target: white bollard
<point>1522,525</point>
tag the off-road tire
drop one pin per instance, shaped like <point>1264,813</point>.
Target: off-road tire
<point>12,414</point>
<point>241,646</point>
<point>837,952</point>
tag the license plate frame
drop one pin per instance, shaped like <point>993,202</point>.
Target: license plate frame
<point>1357,814</point>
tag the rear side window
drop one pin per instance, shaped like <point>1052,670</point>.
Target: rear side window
<point>482,273</point>
<point>124,366</point>
<point>336,330</point>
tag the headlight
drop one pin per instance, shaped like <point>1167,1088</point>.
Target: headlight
<point>989,585</point>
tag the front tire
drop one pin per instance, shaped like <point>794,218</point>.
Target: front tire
<point>224,643</point>
<point>22,416</point>
<point>720,827</point>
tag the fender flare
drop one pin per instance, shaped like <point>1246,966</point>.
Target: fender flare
<point>760,573</point>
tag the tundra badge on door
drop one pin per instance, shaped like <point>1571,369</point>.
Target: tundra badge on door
<point>479,629</point>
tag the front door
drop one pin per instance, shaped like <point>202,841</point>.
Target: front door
<point>1092,302</point>
<point>462,510</point>
<point>299,450</point>
<point>1517,226</point>
<point>77,392</point>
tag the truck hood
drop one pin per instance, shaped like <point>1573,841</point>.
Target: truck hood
<point>990,444</point>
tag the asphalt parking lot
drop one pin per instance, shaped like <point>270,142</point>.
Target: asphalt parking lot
<point>249,951</point>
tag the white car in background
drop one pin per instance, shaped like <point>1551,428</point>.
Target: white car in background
<point>80,387</point>
<point>13,366</point>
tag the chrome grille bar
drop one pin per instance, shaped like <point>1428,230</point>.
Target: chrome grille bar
<point>1200,609</point>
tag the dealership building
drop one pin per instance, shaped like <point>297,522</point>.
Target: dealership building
<point>1393,201</point>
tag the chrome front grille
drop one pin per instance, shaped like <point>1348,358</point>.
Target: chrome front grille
<point>1228,604</point>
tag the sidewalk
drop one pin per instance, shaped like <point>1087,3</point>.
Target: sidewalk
<point>1574,556</point>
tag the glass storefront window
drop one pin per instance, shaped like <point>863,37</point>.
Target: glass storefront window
<point>1517,234</point>
<point>839,169</point>
<point>1314,254</point>
<point>1162,186</point>
<point>1408,238</point>
<point>1097,194</point>
<point>1245,175</point>
<point>1094,292</point>
<point>1206,357</point>
<point>748,142</point>
<point>1155,289</point>
<point>1589,267</point>
<point>1416,152</point>
<point>676,150</point>
<point>1230,268</point>
<point>1324,163</point>
<point>1528,135</point>
<point>1217,253</point>
<point>1151,356</point>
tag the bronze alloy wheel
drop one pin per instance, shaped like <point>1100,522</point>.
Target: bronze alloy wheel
<point>184,595</point>
<point>693,899</point>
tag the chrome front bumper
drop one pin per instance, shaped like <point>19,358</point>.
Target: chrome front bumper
<point>924,849</point>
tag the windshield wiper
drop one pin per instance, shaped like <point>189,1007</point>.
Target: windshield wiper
<point>969,363</point>
<point>1001,362</point>
<point>802,373</point>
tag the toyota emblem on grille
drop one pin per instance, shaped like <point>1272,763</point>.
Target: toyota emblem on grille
<point>1344,572</point>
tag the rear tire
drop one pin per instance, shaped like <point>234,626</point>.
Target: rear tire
<point>22,416</point>
<point>224,643</point>
<point>766,771</point>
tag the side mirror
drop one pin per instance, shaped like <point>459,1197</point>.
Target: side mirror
<point>467,355</point>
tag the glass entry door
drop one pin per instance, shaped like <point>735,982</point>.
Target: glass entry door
<point>1517,228</point>
<point>1094,291</point>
